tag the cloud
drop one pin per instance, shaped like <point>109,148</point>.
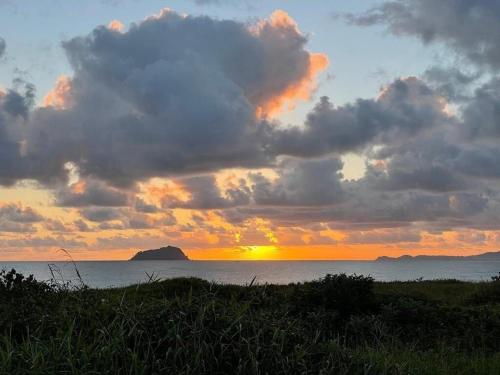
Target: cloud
<point>144,207</point>
<point>403,109</point>
<point>12,227</point>
<point>186,102</point>
<point>18,218</point>
<point>174,94</point>
<point>142,221</point>
<point>15,109</point>
<point>184,97</point>
<point>482,112</point>
<point>100,214</point>
<point>469,27</point>
<point>383,237</point>
<point>205,194</point>
<point>112,218</point>
<point>116,25</point>
<point>46,241</point>
<point>429,162</point>
<point>247,3</point>
<point>82,226</point>
<point>19,214</point>
<point>280,26</point>
<point>452,83</point>
<point>90,193</point>
<point>300,183</point>
<point>19,104</point>
<point>3,47</point>
<point>60,96</point>
<point>57,225</point>
<point>366,209</point>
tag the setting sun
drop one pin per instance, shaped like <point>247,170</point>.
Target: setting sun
<point>258,252</point>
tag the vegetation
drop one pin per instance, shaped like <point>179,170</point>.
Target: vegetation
<point>337,325</point>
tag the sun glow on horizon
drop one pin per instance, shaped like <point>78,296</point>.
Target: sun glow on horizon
<point>257,252</point>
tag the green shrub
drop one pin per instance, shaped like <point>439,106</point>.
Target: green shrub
<point>335,325</point>
<point>345,294</point>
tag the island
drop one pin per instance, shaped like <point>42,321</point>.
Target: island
<point>163,253</point>
<point>490,256</point>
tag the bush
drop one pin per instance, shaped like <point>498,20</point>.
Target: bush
<point>490,294</point>
<point>22,302</point>
<point>337,324</point>
<point>344,294</point>
<point>14,284</point>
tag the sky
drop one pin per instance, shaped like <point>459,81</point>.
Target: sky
<point>249,129</point>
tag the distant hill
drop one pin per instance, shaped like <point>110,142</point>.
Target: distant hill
<point>163,253</point>
<point>494,255</point>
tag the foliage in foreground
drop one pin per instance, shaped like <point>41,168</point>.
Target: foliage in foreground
<point>337,325</point>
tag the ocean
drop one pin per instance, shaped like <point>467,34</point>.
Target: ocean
<point>105,274</point>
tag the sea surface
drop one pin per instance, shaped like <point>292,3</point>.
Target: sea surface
<point>104,274</point>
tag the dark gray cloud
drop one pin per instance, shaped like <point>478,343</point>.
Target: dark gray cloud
<point>443,160</point>
<point>91,193</point>
<point>397,236</point>
<point>3,47</point>
<point>421,183</point>
<point>481,115</point>
<point>10,156</point>
<point>143,221</point>
<point>428,162</point>
<point>470,27</point>
<point>112,218</point>
<point>404,108</point>
<point>364,208</point>
<point>144,207</point>
<point>140,222</point>
<point>16,218</point>
<point>300,183</point>
<point>452,83</point>
<point>15,108</point>
<point>12,227</point>
<point>106,225</point>
<point>482,161</point>
<point>19,214</point>
<point>82,226</point>
<point>47,241</point>
<point>100,214</point>
<point>205,194</point>
<point>16,103</point>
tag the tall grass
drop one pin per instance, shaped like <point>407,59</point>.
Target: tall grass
<point>337,325</point>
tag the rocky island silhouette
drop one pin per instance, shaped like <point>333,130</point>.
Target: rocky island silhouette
<point>163,253</point>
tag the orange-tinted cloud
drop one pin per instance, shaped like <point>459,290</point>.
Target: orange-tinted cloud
<point>295,92</point>
<point>160,191</point>
<point>281,19</point>
<point>116,26</point>
<point>298,90</point>
<point>78,187</point>
<point>60,96</point>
